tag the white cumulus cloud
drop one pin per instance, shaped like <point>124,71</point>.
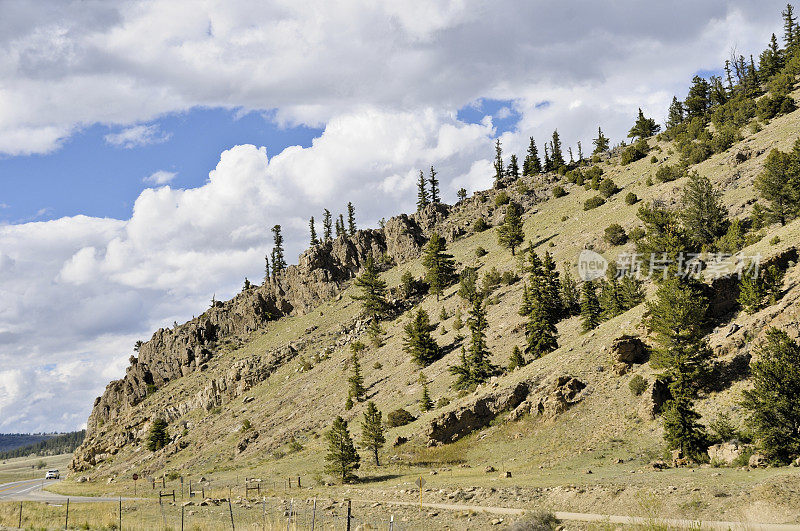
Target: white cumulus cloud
<point>160,177</point>
<point>138,135</point>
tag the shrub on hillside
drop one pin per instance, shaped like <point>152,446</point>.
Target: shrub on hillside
<point>593,202</point>
<point>669,173</point>
<point>636,234</point>
<point>636,151</point>
<point>607,188</point>
<point>637,384</point>
<point>399,417</point>
<point>480,251</point>
<point>559,191</point>
<point>615,235</point>
<point>631,198</point>
<point>481,225</point>
<point>501,199</point>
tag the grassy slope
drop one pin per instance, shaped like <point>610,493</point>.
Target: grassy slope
<point>605,427</point>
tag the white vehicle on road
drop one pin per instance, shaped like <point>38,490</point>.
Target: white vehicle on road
<point>52,474</point>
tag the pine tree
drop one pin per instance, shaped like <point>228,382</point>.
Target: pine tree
<point>580,152</point>
<point>527,304</point>
<point>425,402</point>
<point>697,101</point>
<point>790,36</point>
<point>266,268</point>
<point>373,431</point>
<point>476,367</point>
<point>772,402</point>
<point>510,233</point>
<point>356,380</point>
<point>541,334</point>
<point>751,293</point>
<point>461,194</point>
<point>373,291</point>
<point>375,333</point>
<point>313,231</point>
<point>556,157</point>
<point>664,234</point>
<point>462,372</point>
<point>568,292</point>
<point>610,298</point>
<point>481,368</point>
<point>773,283</point>
<point>516,360</point>
<point>590,307</point>
<point>278,263</point>
<point>631,291</point>
<point>326,225</point>
<point>434,182</point>
<point>351,219</point>
<point>498,163</point>
<point>676,316</point>
<point>342,456</point>
<point>682,429</point>
<point>675,114</point>
<point>703,214</point>
<point>644,127</point>
<point>532,165</point>
<point>340,228</point>
<point>458,324</point>
<point>422,192</point>
<point>157,437</point>
<point>513,167</point>
<point>418,341</point>
<point>771,59</point>
<point>549,288</point>
<point>779,184</point>
<point>439,266</point>
<point>757,291</point>
<point>601,143</point>
<point>247,285</point>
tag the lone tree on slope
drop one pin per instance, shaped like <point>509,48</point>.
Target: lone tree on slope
<point>372,430</point>
<point>342,456</point>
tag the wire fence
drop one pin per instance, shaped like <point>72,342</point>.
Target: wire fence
<point>266,513</point>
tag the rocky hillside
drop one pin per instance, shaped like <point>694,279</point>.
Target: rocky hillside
<point>322,272</point>
<point>277,355</point>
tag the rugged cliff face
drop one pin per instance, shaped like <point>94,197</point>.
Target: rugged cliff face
<point>322,272</point>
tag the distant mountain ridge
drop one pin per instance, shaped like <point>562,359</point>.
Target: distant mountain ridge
<point>24,444</point>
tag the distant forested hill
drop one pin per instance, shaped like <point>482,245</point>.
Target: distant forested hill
<point>22,444</point>
<point>11,441</point>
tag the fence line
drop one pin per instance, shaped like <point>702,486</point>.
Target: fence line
<point>268,513</point>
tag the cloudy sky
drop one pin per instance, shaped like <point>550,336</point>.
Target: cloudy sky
<point>146,147</point>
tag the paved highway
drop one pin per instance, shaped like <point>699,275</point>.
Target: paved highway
<point>31,490</point>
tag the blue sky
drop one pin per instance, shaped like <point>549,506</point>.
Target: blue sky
<point>88,175</point>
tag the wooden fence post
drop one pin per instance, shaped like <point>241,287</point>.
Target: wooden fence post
<point>349,514</point>
<point>20,515</point>
<point>230,509</point>
<point>66,519</point>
